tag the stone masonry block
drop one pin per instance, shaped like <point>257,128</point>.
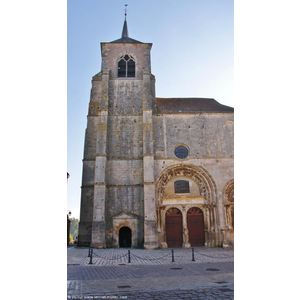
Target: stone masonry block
<point>100,166</point>
<point>148,168</point>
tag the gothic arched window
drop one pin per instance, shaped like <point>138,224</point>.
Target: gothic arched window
<point>126,66</point>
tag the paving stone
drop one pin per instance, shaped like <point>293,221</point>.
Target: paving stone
<point>115,256</point>
<point>157,279</point>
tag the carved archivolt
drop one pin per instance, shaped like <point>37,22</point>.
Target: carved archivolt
<point>228,196</point>
<point>204,181</point>
<point>228,193</point>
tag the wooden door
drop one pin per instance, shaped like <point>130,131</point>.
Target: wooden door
<point>174,228</point>
<point>195,224</point>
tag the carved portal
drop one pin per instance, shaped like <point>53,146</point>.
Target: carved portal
<point>204,181</point>
<point>206,202</point>
<point>228,196</point>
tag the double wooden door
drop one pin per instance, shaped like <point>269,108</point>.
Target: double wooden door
<point>174,229</point>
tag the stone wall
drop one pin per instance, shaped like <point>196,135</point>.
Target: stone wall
<point>128,147</point>
<point>206,135</point>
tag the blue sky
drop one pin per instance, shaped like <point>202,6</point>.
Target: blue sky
<point>33,117</point>
<point>191,56</point>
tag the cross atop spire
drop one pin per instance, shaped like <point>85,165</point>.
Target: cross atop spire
<point>125,10</point>
<point>125,35</point>
<point>125,29</point>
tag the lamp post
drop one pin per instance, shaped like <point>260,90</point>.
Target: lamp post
<point>68,226</point>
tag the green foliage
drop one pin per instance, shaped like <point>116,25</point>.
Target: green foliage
<point>74,227</point>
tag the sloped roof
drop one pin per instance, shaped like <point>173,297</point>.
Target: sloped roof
<point>125,36</point>
<point>127,40</point>
<point>190,105</point>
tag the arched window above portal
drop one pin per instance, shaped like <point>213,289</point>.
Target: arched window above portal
<point>126,66</point>
<point>181,186</point>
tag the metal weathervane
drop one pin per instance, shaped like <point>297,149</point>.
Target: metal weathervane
<point>125,10</point>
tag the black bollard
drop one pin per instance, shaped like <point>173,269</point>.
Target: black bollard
<point>193,257</point>
<point>91,257</point>
<point>89,251</point>
<point>173,255</point>
<point>129,256</point>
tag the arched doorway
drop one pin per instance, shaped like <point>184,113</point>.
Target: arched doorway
<point>174,228</point>
<point>195,224</point>
<point>125,237</point>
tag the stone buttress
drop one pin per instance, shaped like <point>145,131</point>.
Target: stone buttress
<point>118,188</point>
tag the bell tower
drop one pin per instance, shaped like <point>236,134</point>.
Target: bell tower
<point>118,185</point>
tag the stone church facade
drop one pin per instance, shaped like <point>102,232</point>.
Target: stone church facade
<point>157,172</point>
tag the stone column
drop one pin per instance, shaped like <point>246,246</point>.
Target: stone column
<point>162,234</point>
<point>208,237</point>
<point>186,243</point>
<point>215,227</point>
<point>222,222</point>
<point>220,209</point>
<point>225,243</point>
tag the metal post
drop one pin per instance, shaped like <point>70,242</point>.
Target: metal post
<point>173,255</point>
<point>91,257</point>
<point>129,256</point>
<point>89,251</point>
<point>193,257</point>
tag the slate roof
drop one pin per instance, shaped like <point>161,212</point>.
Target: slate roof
<point>127,40</point>
<point>190,105</point>
<point>125,36</point>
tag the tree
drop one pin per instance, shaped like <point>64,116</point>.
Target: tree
<point>74,227</point>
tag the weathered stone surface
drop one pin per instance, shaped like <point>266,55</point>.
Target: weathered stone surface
<point>130,167</point>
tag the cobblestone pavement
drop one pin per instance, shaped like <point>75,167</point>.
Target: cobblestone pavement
<point>223,293</point>
<point>210,276</point>
<point>116,256</point>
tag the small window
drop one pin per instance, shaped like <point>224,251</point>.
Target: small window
<point>181,152</point>
<point>126,66</point>
<point>181,187</point>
